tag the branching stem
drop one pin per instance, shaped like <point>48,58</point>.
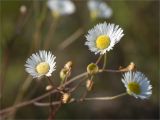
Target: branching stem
<point>85,99</point>
<point>53,91</point>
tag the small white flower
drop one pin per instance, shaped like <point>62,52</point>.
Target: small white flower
<point>61,7</point>
<point>40,64</point>
<point>103,37</point>
<point>137,85</point>
<point>99,9</point>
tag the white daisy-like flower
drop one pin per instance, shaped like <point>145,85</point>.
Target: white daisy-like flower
<point>103,37</point>
<point>61,7</point>
<point>137,85</point>
<point>99,9</point>
<point>40,64</point>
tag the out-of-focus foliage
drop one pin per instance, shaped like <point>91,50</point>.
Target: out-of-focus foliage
<point>140,21</point>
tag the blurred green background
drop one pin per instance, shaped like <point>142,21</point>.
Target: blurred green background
<point>23,34</point>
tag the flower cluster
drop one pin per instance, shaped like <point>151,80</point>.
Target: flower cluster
<point>100,39</point>
<point>97,9</point>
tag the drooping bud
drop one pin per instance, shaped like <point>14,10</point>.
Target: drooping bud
<point>49,87</point>
<point>89,85</point>
<point>92,68</point>
<point>66,97</point>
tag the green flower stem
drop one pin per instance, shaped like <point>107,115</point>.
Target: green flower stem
<point>104,62</point>
<point>99,58</point>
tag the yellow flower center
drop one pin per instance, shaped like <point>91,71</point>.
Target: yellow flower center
<point>42,68</point>
<point>134,87</point>
<point>102,42</point>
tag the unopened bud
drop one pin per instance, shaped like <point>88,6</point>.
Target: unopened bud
<point>49,87</point>
<point>89,85</point>
<point>92,68</point>
<point>63,74</point>
<point>66,97</point>
<point>131,66</point>
<point>68,65</point>
<point>23,9</point>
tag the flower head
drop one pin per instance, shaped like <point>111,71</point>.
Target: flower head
<point>89,84</point>
<point>40,64</point>
<point>99,9</point>
<point>61,7</point>
<point>66,97</point>
<point>137,85</point>
<point>103,37</point>
<point>92,68</point>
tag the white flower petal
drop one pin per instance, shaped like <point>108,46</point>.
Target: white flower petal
<point>101,8</point>
<point>113,32</point>
<point>35,59</point>
<point>62,7</point>
<point>142,80</point>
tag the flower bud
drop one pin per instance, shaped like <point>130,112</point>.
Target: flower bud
<point>49,87</point>
<point>92,68</point>
<point>66,97</point>
<point>89,85</point>
<point>23,9</point>
<point>131,66</point>
<point>63,74</point>
<point>68,65</point>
